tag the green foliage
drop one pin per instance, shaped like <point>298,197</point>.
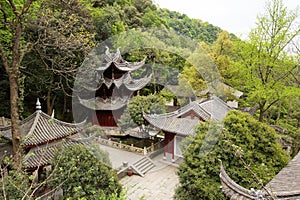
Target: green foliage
<point>15,184</point>
<point>243,139</point>
<point>83,173</point>
<point>265,68</point>
<point>4,93</point>
<point>133,114</point>
<point>62,32</point>
<point>214,58</point>
<point>193,28</point>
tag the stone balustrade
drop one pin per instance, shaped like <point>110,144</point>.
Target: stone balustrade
<point>131,148</point>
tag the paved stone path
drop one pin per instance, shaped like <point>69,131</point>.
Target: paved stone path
<point>157,184</point>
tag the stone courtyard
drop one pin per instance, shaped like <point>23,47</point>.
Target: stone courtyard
<point>158,184</point>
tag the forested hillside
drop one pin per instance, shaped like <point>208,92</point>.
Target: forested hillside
<point>46,75</point>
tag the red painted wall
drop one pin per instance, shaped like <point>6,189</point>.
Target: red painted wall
<point>106,118</point>
<point>169,143</point>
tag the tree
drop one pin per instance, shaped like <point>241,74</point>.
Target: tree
<point>15,184</point>
<point>85,173</point>
<point>266,68</point>
<point>216,57</point>
<point>133,115</point>
<point>221,51</point>
<point>244,143</point>
<point>62,33</point>
<point>12,50</point>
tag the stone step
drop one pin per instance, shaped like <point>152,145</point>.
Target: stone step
<point>143,165</point>
<point>141,161</point>
<point>146,168</point>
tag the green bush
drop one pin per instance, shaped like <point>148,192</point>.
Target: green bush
<point>84,174</point>
<point>243,138</point>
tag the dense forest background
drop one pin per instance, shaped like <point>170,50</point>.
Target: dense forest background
<point>49,76</point>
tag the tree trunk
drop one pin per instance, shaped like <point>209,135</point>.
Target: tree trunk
<point>50,103</point>
<point>278,112</point>
<point>14,107</point>
<point>261,111</point>
<point>13,75</point>
<point>65,106</point>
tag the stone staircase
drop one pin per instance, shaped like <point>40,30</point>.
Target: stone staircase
<point>142,166</point>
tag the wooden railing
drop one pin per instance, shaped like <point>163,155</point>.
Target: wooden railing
<point>156,146</point>
<point>131,148</point>
<point>4,121</point>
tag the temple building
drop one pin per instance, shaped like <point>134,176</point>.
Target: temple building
<point>115,86</point>
<point>285,185</point>
<point>42,135</point>
<point>181,123</point>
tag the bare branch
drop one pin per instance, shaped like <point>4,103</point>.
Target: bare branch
<point>26,6</point>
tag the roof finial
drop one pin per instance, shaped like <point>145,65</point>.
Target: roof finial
<point>107,50</point>
<point>52,115</point>
<point>38,105</point>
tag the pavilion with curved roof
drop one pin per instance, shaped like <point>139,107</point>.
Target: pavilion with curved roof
<point>113,88</point>
<point>42,135</point>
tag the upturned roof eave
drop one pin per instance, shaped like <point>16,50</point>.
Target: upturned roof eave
<point>234,191</point>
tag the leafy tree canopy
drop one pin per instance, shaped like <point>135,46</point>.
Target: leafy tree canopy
<point>133,115</point>
<point>84,173</point>
<point>266,68</point>
<point>243,141</point>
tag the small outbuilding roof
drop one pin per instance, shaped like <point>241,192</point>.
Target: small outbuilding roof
<point>181,126</point>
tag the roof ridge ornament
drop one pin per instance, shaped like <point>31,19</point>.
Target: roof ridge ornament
<point>38,106</point>
<point>52,115</point>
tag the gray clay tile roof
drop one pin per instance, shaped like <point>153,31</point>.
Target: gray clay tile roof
<point>217,108</point>
<point>40,128</point>
<point>284,186</point>
<point>99,103</point>
<point>42,155</point>
<point>126,80</point>
<point>119,62</point>
<point>181,126</point>
<point>117,101</point>
<point>136,84</point>
<point>192,106</point>
<point>234,191</point>
<point>287,182</point>
<point>213,108</point>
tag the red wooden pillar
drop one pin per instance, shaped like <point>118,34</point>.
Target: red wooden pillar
<point>169,144</point>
